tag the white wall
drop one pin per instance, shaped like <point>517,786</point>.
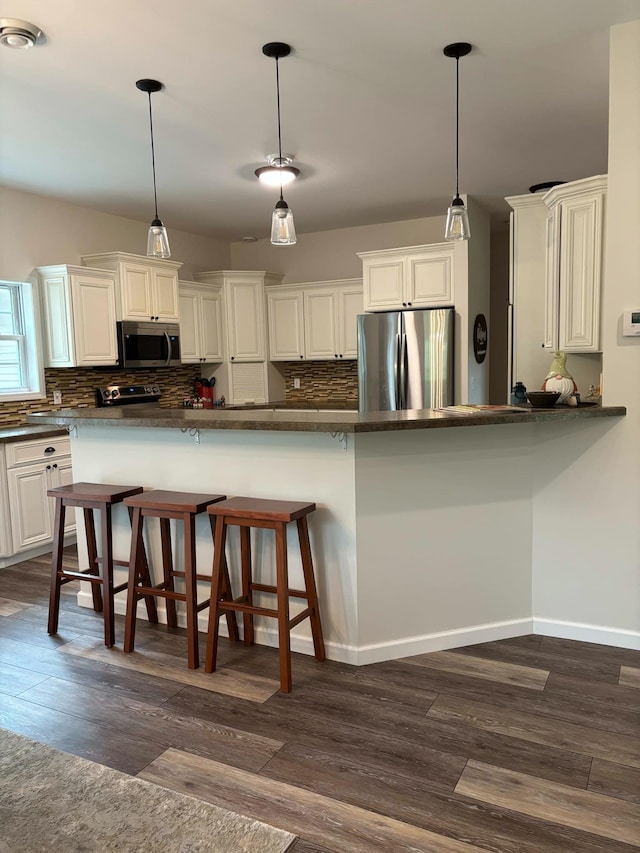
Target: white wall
<point>35,230</point>
<point>328,255</point>
<point>586,563</point>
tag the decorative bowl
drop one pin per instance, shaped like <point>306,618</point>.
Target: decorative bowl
<point>543,399</point>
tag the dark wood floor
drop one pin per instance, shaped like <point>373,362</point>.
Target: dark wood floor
<point>530,744</point>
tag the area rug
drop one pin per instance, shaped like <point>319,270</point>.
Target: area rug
<point>53,801</point>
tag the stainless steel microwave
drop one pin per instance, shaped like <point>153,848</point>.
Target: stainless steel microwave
<point>148,344</point>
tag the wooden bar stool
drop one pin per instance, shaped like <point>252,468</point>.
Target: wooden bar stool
<point>273,515</point>
<point>165,505</point>
<point>92,496</point>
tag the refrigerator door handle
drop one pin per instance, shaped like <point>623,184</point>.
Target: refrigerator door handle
<point>403,372</point>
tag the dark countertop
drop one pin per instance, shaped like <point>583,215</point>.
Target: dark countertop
<point>26,431</point>
<point>315,421</point>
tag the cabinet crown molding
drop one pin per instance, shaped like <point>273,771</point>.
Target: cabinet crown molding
<point>575,189</point>
<point>334,282</point>
<point>115,257</point>
<point>427,247</point>
<point>72,269</point>
<point>215,276</point>
<point>528,200</point>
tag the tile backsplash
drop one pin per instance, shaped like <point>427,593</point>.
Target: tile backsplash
<point>321,380</point>
<point>78,386</point>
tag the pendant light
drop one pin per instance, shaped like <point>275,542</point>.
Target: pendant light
<point>157,240</point>
<point>283,230</point>
<point>457,227</point>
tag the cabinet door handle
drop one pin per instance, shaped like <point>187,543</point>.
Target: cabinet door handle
<point>340,355</point>
<point>232,357</point>
<point>48,467</point>
<point>301,356</point>
<point>53,450</point>
<point>409,304</point>
<point>54,465</point>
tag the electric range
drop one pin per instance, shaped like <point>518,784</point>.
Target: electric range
<point>127,395</point>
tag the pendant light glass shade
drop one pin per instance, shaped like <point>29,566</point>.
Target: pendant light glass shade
<point>157,238</point>
<point>158,241</point>
<point>283,229</point>
<point>457,225</point>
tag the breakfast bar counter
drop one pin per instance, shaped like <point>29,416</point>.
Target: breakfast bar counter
<point>424,538</point>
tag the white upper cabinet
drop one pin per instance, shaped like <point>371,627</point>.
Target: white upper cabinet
<point>413,277</point>
<point>245,311</point>
<point>574,264</point>
<point>146,288</point>
<point>285,310</point>
<point>201,323</point>
<point>79,316</point>
<point>315,321</point>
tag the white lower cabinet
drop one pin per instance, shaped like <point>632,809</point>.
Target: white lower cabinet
<point>32,468</point>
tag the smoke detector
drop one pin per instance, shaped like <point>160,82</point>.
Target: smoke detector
<point>18,34</point>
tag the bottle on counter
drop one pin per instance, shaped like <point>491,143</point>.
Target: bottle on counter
<point>518,394</point>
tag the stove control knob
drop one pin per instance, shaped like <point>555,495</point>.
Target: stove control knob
<point>106,393</point>
<point>147,390</point>
<point>115,393</point>
<point>155,389</point>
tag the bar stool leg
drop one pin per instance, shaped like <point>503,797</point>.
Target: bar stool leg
<point>310,587</point>
<point>56,566</point>
<point>191,589</point>
<point>225,589</point>
<point>92,551</point>
<point>107,578</point>
<point>282,585</point>
<point>145,576</point>
<point>247,592</point>
<point>132,596</point>
<point>167,564</point>
<point>220,538</point>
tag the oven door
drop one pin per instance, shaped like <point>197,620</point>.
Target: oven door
<point>148,344</point>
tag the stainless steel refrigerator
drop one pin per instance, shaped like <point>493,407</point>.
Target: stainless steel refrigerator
<point>405,360</point>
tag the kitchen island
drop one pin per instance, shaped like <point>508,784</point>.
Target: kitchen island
<point>425,533</point>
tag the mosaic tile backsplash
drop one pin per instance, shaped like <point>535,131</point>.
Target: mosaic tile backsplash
<point>321,380</point>
<point>78,386</point>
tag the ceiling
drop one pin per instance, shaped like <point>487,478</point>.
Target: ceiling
<point>368,105</point>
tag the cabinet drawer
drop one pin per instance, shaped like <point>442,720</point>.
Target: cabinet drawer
<point>23,452</point>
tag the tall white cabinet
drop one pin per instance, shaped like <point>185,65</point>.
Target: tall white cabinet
<point>245,375</point>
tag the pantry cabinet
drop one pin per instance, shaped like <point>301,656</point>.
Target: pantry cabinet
<point>574,263</point>
<point>32,467</point>
<point>79,316</point>
<point>146,288</point>
<point>201,322</point>
<point>316,321</point>
<point>410,277</point>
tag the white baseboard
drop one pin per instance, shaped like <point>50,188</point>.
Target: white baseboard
<point>343,653</point>
<point>587,633</point>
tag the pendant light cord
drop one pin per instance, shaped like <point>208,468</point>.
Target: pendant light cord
<point>457,123</point>
<point>279,132</point>
<point>153,158</point>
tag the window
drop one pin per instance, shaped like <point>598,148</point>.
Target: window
<point>21,376</point>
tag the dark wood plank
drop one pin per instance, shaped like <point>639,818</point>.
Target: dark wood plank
<point>615,780</point>
<point>595,670</point>
<point>583,810</point>
<point>590,652</point>
<point>413,802</point>
<point>579,740</point>
<point>489,669</point>
<point>13,679</point>
<point>147,722</point>
<point>322,820</point>
<point>111,747</point>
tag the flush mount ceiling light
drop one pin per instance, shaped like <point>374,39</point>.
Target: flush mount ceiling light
<point>457,227</point>
<point>158,240</point>
<point>18,34</point>
<point>283,230</point>
<point>279,172</point>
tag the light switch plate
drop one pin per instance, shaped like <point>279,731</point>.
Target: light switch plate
<point>57,398</point>
<point>296,383</point>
